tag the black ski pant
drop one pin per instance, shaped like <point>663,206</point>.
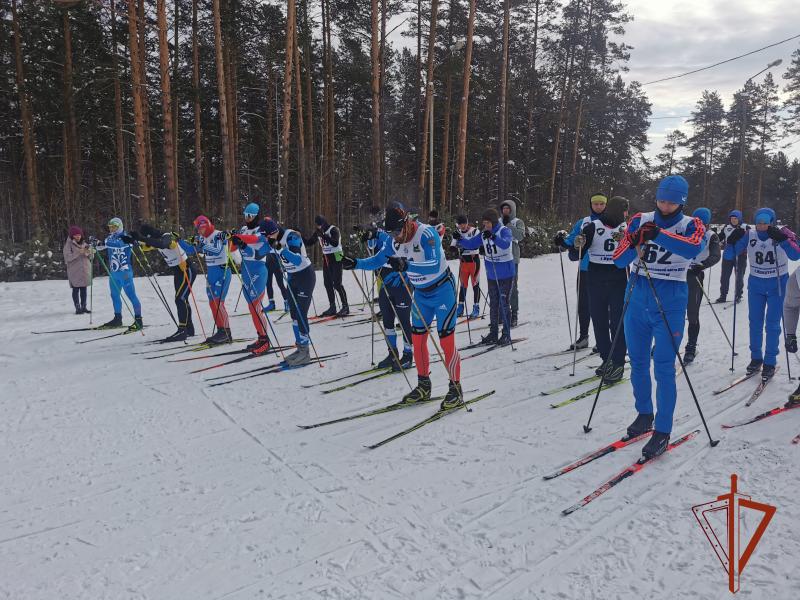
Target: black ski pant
<point>725,278</point>
<point>79,297</point>
<point>274,270</point>
<point>584,314</point>
<point>395,302</point>
<point>695,281</point>
<point>499,305</point>
<point>301,289</point>
<point>182,291</point>
<point>332,278</point>
<point>515,292</point>
<point>607,285</point>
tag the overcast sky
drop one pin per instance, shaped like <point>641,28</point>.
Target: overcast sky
<point>673,36</point>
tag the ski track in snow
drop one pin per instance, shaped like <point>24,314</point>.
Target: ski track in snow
<point>130,478</point>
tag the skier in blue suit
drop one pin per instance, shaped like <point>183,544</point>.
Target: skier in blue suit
<point>120,279</point>
<point>664,241</point>
<point>769,249</point>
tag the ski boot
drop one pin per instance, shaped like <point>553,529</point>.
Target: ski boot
<point>406,361</point>
<point>344,311</point>
<point>791,343</point>
<point>602,368</point>
<point>260,346</point>
<point>299,357</point>
<point>189,329</point>
<point>514,320</point>
<point>78,310</point>
<point>453,398</point>
<point>738,299</point>
<point>614,373</point>
<point>476,311</point>
<point>388,362</point>
<point>137,325</point>
<point>689,354</point>
<point>656,445</point>
<point>794,399</point>
<point>113,323</point>
<point>222,336</point>
<point>642,424</point>
<point>490,339</point>
<point>755,366</point>
<point>421,393</point>
<point>460,310</point>
<point>504,339</point>
<point>331,312</point>
<point>767,371</point>
<point>582,342</point>
<point>270,307</point>
<point>85,310</point>
<point>721,300</point>
<point>178,336</point>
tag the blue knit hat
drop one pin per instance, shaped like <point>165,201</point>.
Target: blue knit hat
<point>673,188</point>
<point>252,209</point>
<point>765,212</point>
<point>268,227</point>
<point>703,214</point>
<point>735,213</point>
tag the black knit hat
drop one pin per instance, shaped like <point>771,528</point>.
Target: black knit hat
<point>461,219</point>
<point>491,215</point>
<point>395,218</point>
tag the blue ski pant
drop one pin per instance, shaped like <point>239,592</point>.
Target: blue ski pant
<point>765,308</point>
<point>301,289</point>
<point>643,325</point>
<point>439,302</point>
<point>122,281</point>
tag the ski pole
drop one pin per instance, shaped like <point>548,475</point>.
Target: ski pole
<point>392,349</point>
<point>780,295</point>
<point>711,440</point>
<point>186,278</point>
<point>159,295</point>
<point>119,289</point>
<point>577,310</point>
<point>564,284</point>
<point>298,312</point>
<point>733,335</point>
<point>263,312</point>
<point>506,321</point>
<point>91,287</point>
<point>374,316</point>
<point>152,273</point>
<point>628,294</point>
<point>715,314</point>
<point>460,285</point>
<point>239,297</point>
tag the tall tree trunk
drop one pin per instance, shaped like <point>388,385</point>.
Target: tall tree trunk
<point>330,169</point>
<point>501,145</point>
<point>137,85</point>
<point>428,104</point>
<point>271,87</point>
<point>198,129</point>
<point>72,156</point>
<point>311,161</point>
<point>121,176</point>
<point>142,26</point>
<point>230,58</point>
<point>376,102</point>
<point>227,159</point>
<point>382,120</point>
<point>302,200</point>
<point>532,99</point>
<point>32,182</point>
<point>444,201</point>
<point>176,114</point>
<point>462,115</point>
<point>325,183</point>
<point>287,101</point>
<point>171,192</point>
<point>581,95</point>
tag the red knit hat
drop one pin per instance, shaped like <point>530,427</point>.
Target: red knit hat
<point>75,230</point>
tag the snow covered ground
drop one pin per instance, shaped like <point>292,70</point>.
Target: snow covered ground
<point>126,478</point>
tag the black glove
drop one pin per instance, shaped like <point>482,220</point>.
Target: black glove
<point>348,264</point>
<point>487,235</point>
<point>127,239</point>
<point>369,234</point>
<point>274,244</point>
<point>776,234</point>
<point>506,219</point>
<point>559,238</point>
<point>327,239</point>
<point>136,235</point>
<point>735,236</point>
<point>649,231</point>
<point>398,263</point>
<point>456,235</point>
<point>695,271</point>
<point>238,242</point>
<point>93,241</point>
<point>791,343</point>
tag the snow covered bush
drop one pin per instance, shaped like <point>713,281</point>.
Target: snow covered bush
<point>30,261</point>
